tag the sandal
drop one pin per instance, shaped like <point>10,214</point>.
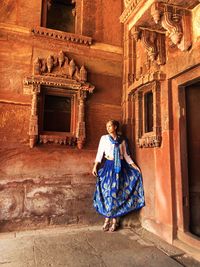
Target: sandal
<point>114,226</point>
<point>106,225</point>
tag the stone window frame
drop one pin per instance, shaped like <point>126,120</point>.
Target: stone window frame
<point>68,79</point>
<point>153,138</point>
<point>78,13</point>
<point>76,38</point>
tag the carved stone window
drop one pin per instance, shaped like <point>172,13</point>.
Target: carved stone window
<point>62,20</point>
<point>59,89</point>
<point>59,15</point>
<point>148,118</point>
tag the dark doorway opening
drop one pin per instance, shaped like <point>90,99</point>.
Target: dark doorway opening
<point>192,94</point>
<point>57,113</point>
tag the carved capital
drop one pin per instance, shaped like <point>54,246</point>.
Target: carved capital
<point>136,33</point>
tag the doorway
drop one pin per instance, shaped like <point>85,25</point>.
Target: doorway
<point>192,100</point>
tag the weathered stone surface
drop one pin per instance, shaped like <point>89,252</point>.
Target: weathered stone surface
<point>55,190</point>
<point>14,122</point>
<point>86,246</point>
<point>11,203</point>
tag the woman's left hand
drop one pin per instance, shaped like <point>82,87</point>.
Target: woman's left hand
<point>135,167</point>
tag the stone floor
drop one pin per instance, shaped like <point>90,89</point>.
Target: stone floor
<point>88,246</point>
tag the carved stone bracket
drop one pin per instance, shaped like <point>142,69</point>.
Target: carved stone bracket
<point>60,76</point>
<point>153,138</point>
<point>176,21</point>
<point>154,43</point>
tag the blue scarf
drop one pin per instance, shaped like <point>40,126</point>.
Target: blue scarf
<point>116,153</point>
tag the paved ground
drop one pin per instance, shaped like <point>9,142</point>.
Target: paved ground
<point>89,246</point>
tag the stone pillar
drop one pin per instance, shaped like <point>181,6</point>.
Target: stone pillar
<point>80,134</point>
<point>33,124</point>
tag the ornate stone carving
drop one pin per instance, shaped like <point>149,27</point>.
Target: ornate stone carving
<point>80,133</point>
<point>149,40</point>
<point>172,26</point>
<point>176,21</point>
<point>63,36</point>
<point>61,58</point>
<point>130,5</point>
<point>127,2</point>
<point>154,43</point>
<point>57,139</point>
<point>62,77</point>
<point>69,68</point>
<point>148,139</point>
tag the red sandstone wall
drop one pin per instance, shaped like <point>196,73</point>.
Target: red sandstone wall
<point>101,21</point>
<point>100,18</point>
<point>160,166</point>
<point>52,184</point>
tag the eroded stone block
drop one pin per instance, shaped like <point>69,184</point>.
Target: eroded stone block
<point>11,203</point>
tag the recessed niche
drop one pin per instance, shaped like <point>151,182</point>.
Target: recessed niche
<point>57,113</point>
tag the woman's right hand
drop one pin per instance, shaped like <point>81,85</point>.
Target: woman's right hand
<point>94,171</point>
<point>135,167</point>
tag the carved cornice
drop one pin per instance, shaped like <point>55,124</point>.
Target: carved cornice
<point>56,81</point>
<point>63,36</point>
<point>130,6</point>
<point>145,79</point>
<point>149,141</point>
<point>58,71</point>
<point>57,139</point>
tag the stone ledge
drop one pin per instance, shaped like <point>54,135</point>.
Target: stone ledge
<point>63,36</point>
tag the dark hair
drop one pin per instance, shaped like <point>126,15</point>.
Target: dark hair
<point>115,123</point>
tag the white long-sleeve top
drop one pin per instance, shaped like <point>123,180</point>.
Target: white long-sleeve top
<point>107,148</point>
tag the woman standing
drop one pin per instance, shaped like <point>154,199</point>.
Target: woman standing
<point>119,188</point>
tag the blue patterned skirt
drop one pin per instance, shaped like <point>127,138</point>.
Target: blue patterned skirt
<point>118,194</point>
